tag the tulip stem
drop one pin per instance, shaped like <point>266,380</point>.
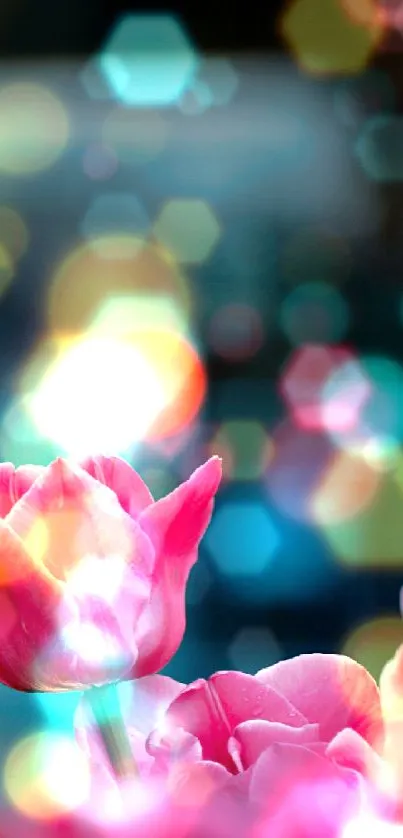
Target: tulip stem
<point>107,714</point>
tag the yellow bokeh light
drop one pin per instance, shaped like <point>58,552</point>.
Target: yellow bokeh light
<point>374,643</point>
<point>347,487</point>
<point>34,128</point>
<point>14,235</point>
<point>6,268</point>
<point>325,39</point>
<point>107,267</point>
<point>372,536</point>
<point>46,775</point>
<point>93,391</point>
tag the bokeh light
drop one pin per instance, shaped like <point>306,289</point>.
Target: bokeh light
<point>242,538</point>
<point>135,138</point>
<point>323,389</point>
<point>379,148</point>
<point>220,79</point>
<point>374,643</point>
<point>46,775</point>
<point>14,234</point>
<point>148,60</point>
<point>34,128</point>
<point>103,393</point>
<point>372,538</point>
<point>348,487</point>
<point>107,267</point>
<point>188,228</point>
<point>115,213</point>
<point>315,312</point>
<point>236,332</point>
<point>299,462</point>
<point>20,440</point>
<point>100,162</point>
<point>325,40</point>
<point>244,446</point>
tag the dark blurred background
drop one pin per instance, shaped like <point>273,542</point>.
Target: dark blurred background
<point>201,252</point>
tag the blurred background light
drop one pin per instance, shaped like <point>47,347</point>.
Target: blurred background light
<point>299,462</point>
<point>253,648</point>
<point>373,643</point>
<point>34,128</point>
<point>99,162</point>
<point>320,390</point>
<point>20,440</point>
<point>115,213</point>
<point>372,538</point>
<point>46,775</point>
<point>14,233</point>
<point>135,138</point>
<point>245,448</point>
<point>148,60</point>
<point>188,228</point>
<point>314,312</point>
<point>107,393</point>
<point>379,148</point>
<point>242,538</point>
<point>106,267</point>
<point>325,39</point>
<point>236,331</point>
<point>221,79</point>
<point>348,486</point>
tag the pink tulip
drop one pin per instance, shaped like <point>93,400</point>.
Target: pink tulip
<point>282,754</point>
<point>93,571</point>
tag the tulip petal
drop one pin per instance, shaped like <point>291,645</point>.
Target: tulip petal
<point>14,483</point>
<point>301,793</point>
<point>33,596</point>
<point>67,516</point>
<point>175,525</point>
<point>133,494</point>
<point>211,710</point>
<point>349,750</point>
<point>253,737</point>
<point>332,690</point>
<point>75,528</point>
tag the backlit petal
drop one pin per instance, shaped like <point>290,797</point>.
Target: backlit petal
<point>332,690</point>
<point>175,525</point>
<point>132,493</point>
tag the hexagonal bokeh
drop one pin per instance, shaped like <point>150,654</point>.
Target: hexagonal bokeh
<point>315,312</point>
<point>242,538</point>
<point>148,60</point>
<point>115,212</point>
<point>374,643</point>
<point>313,404</point>
<point>326,39</point>
<point>244,446</point>
<point>189,228</point>
<point>379,148</point>
<point>373,537</point>
<point>221,79</point>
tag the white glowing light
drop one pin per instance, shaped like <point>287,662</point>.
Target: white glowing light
<point>100,578</point>
<point>100,395</point>
<point>91,644</point>
<point>369,826</point>
<point>66,777</point>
